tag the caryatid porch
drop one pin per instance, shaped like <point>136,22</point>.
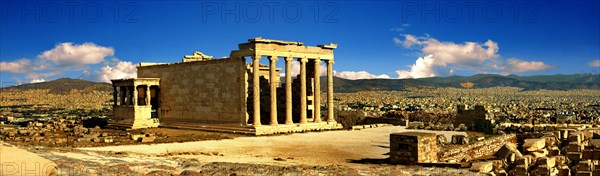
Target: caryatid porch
<point>135,102</point>
<point>290,51</point>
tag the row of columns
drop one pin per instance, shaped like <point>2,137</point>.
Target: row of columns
<point>288,90</point>
<point>126,93</point>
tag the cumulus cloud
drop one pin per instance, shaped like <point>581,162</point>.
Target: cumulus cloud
<point>121,70</point>
<point>594,63</point>
<point>443,58</point>
<point>19,66</point>
<point>517,65</point>
<point>65,54</point>
<point>425,67</point>
<point>359,75</point>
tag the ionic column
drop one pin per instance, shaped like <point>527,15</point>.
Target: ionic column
<point>317,88</point>
<point>148,96</point>
<point>256,90</point>
<point>272,77</point>
<point>114,95</point>
<point>288,90</point>
<point>303,90</point>
<point>330,91</point>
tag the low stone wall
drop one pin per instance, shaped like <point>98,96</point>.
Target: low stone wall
<point>475,150</point>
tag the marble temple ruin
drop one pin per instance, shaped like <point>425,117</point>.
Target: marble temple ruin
<point>231,94</point>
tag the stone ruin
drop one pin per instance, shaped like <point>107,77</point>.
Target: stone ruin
<point>413,148</point>
<point>231,94</point>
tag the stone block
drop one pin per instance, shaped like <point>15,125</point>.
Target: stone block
<point>525,160</point>
<point>585,165</point>
<point>146,139</point>
<point>560,160</point>
<point>546,161</point>
<point>564,171</point>
<point>507,151</point>
<point>574,147</point>
<point>576,137</point>
<point>539,153</point>
<point>520,170</point>
<point>574,156</point>
<point>534,144</point>
<point>500,172</point>
<point>583,173</point>
<point>594,144</point>
<point>553,151</point>
<point>482,167</point>
<point>541,170</point>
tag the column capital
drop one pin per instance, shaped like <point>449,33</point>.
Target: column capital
<point>273,58</point>
<point>256,56</point>
<point>289,58</point>
<point>330,62</point>
<point>304,59</point>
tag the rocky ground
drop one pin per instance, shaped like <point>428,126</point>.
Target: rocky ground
<point>358,152</point>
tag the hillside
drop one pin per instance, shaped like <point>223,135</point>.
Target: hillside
<point>550,82</point>
<point>64,85</point>
<point>536,82</point>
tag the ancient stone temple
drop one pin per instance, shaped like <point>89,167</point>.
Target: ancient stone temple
<point>231,94</point>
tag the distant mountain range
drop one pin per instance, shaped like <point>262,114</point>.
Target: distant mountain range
<point>536,82</point>
<point>64,85</point>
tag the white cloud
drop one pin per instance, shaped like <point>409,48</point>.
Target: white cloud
<point>68,54</point>
<point>34,77</point>
<point>424,67</point>
<point>409,40</point>
<point>594,63</point>
<point>119,71</point>
<point>295,65</point>
<point>37,81</point>
<point>19,66</point>
<point>295,69</point>
<point>359,75</point>
<point>517,65</point>
<point>443,58</point>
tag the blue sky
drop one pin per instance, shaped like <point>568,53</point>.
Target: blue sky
<point>403,39</point>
